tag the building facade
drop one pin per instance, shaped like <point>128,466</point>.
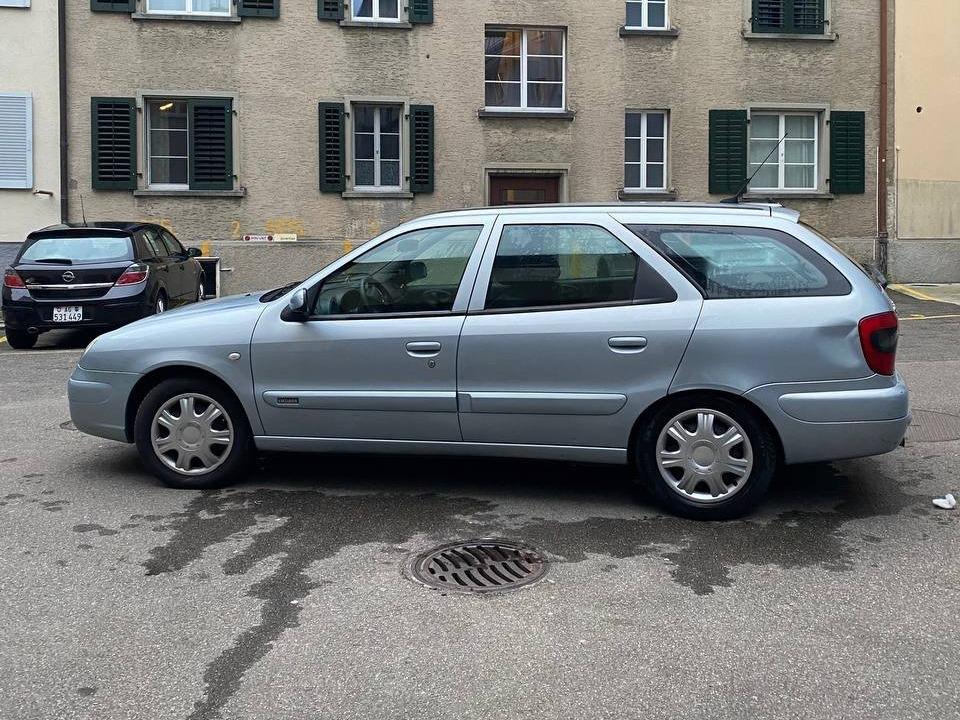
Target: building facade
<point>928,154</point>
<point>29,117</point>
<point>333,121</point>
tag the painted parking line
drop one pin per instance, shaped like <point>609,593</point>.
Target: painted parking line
<point>3,339</point>
<point>930,317</point>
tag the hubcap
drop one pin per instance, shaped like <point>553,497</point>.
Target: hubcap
<point>161,306</point>
<point>704,455</point>
<point>192,434</point>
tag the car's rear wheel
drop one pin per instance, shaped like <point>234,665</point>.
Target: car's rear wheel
<point>706,457</point>
<point>193,433</point>
<point>160,304</point>
<point>21,339</point>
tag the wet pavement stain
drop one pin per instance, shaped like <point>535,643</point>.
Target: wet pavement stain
<point>86,691</point>
<point>94,527</point>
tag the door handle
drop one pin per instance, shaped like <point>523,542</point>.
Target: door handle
<point>627,344</point>
<point>426,348</point>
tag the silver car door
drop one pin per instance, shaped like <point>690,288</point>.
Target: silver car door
<point>377,358</point>
<point>574,327</point>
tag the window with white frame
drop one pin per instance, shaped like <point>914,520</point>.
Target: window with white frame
<point>524,69</point>
<point>793,163</point>
<point>647,15</point>
<point>376,147</point>
<point>168,145</point>
<point>188,7</point>
<point>376,10</point>
<point>645,150</point>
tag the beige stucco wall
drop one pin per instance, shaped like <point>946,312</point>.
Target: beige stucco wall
<point>28,63</point>
<point>279,70</point>
<point>928,152</point>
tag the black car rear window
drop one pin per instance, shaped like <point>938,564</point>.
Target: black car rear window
<point>741,262</point>
<point>77,250</point>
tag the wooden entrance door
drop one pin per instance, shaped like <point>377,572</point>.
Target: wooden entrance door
<point>524,189</point>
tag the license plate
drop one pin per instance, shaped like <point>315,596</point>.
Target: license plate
<point>68,313</point>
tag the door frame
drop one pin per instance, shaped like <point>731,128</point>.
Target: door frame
<point>551,169</point>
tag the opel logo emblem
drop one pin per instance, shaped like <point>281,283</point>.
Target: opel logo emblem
<point>68,277</point>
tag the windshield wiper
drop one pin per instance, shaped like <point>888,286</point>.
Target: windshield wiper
<point>55,261</point>
<point>271,295</point>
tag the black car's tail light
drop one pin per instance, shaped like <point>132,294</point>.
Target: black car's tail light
<point>12,279</point>
<point>134,275</point>
<point>878,338</point>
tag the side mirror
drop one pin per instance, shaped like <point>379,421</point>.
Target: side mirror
<point>296,309</point>
<point>194,252</point>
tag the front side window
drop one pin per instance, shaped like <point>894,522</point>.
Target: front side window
<point>645,151</point>
<point>647,14</point>
<point>524,69</point>
<point>791,165</point>
<point>383,10</point>
<point>554,265</point>
<point>189,7</point>
<point>739,262</point>
<point>376,147</point>
<point>419,271</point>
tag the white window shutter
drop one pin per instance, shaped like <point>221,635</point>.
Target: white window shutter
<point>16,141</point>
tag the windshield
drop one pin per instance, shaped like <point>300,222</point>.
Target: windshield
<point>78,250</point>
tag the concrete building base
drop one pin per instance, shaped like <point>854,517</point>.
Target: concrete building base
<point>928,261</point>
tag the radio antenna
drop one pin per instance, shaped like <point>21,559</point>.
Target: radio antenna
<point>735,200</point>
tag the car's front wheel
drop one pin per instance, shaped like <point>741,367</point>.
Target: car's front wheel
<point>21,339</point>
<point>706,457</point>
<point>193,433</point>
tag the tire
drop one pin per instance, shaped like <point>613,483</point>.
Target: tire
<point>700,487</point>
<point>21,339</point>
<point>190,447</point>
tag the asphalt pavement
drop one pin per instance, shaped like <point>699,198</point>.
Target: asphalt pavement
<point>286,597</point>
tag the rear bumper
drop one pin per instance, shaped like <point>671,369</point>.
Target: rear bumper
<point>98,402</point>
<point>96,314</point>
<point>836,420</point>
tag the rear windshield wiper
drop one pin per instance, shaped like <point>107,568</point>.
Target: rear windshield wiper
<point>55,261</point>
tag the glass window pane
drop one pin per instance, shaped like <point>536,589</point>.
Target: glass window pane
<point>655,124</point>
<point>655,151</point>
<point>390,147</point>
<point>363,8</point>
<point>212,6</point>
<point>390,119</point>
<point>555,265</point>
<point>167,6</point>
<point>390,173</point>
<point>799,176</point>
<point>800,126</point>
<point>502,94</point>
<point>634,14</point>
<point>503,68</point>
<point>168,171</point>
<point>502,42</point>
<point>799,151</point>
<point>544,95</point>
<point>364,173</point>
<point>767,177</point>
<point>363,118</point>
<point>656,14</point>
<point>655,176</point>
<point>631,150</point>
<point>389,9</point>
<point>633,177</point>
<point>545,42</point>
<point>167,142</point>
<point>765,126</point>
<point>760,149</point>
<point>550,69</point>
<point>633,124</point>
<point>363,146</point>
<point>168,114</point>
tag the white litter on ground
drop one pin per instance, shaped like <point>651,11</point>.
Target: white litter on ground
<point>948,502</point>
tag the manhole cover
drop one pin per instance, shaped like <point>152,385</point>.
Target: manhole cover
<point>479,566</point>
<point>930,426</point>
<point>68,425</point>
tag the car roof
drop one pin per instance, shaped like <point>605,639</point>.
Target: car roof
<point>674,208</point>
<point>86,229</point>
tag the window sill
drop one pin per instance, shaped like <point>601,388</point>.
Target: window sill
<point>826,37</point>
<point>187,18</point>
<point>376,24</point>
<point>776,196</point>
<point>648,32</point>
<point>518,114</point>
<point>666,195</point>
<point>367,195</point>
<point>191,193</point>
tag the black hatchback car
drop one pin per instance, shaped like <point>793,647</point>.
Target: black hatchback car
<point>97,276</point>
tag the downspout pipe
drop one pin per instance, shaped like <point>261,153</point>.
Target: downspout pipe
<point>882,235</point>
<point>62,57</point>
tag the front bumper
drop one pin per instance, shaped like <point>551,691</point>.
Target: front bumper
<point>836,420</point>
<point>98,402</point>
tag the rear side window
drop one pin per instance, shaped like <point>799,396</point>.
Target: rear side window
<point>539,266</point>
<point>78,250</point>
<point>155,248</point>
<point>739,262</point>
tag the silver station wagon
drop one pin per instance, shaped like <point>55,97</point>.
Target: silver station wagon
<point>703,345</point>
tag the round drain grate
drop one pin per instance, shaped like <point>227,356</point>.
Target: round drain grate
<point>931,426</point>
<point>479,566</point>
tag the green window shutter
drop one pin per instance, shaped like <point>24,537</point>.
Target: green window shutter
<point>330,9</point>
<point>769,16</point>
<point>807,16</point>
<point>258,8</point>
<point>126,6</point>
<point>421,149</point>
<point>728,150</point>
<point>788,16</point>
<point>113,127</point>
<point>211,144</point>
<point>421,11</point>
<point>847,153</point>
<point>332,153</point>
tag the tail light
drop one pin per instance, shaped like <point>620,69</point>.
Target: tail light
<point>11,279</point>
<point>134,275</point>
<point>878,338</point>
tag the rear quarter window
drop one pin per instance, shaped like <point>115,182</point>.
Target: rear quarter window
<point>740,262</point>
